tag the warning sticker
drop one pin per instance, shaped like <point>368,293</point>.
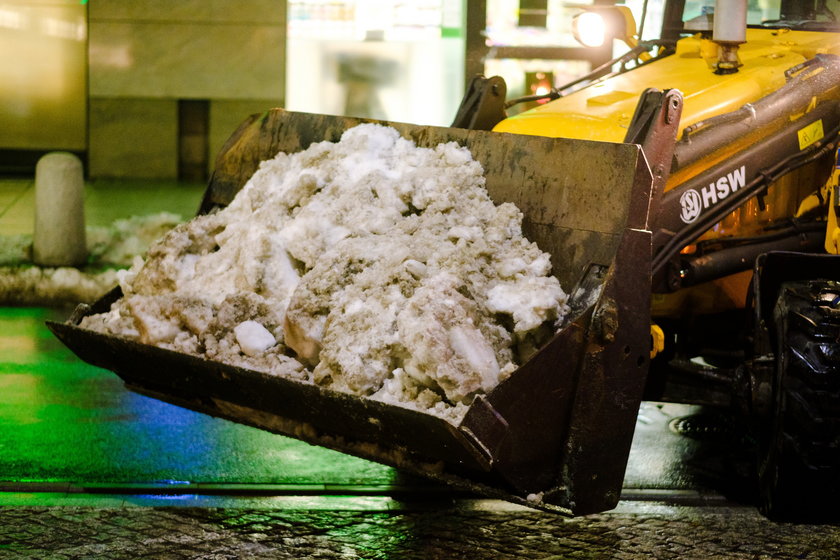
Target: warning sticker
<point>810,134</point>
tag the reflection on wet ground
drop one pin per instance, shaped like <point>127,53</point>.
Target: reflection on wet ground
<point>68,422</point>
<point>89,469</point>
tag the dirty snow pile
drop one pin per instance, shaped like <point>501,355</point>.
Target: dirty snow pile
<point>369,266</point>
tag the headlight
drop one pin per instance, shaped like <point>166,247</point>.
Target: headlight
<point>590,29</point>
<point>596,25</point>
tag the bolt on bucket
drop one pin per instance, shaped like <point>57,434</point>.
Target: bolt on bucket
<point>555,434</point>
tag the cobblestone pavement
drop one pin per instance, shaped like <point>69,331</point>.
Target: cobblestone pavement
<point>469,529</point>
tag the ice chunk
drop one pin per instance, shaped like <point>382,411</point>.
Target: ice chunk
<point>450,345</point>
<point>470,345</point>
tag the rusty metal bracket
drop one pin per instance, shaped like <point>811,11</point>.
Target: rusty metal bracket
<point>654,127</point>
<point>483,106</point>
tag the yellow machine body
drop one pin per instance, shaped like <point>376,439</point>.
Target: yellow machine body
<point>603,112</point>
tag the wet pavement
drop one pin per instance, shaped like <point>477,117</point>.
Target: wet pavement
<point>91,470</point>
<point>465,530</point>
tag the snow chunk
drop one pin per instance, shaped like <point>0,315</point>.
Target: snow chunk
<point>253,338</point>
<point>529,300</point>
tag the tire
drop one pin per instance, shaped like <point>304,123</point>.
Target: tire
<point>799,461</point>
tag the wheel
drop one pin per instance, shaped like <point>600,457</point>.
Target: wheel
<point>799,462</point>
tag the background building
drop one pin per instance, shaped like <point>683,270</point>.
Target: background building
<point>151,89</point>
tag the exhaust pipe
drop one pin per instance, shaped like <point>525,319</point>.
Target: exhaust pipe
<point>730,30</point>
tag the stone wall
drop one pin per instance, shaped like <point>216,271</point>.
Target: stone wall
<point>146,55</point>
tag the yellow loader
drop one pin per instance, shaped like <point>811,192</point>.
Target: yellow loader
<point>687,194</point>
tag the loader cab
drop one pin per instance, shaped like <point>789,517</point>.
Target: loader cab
<point>682,18</point>
<point>813,15</point>
<point>688,16</point>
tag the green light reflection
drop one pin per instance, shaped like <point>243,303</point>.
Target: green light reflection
<point>64,420</point>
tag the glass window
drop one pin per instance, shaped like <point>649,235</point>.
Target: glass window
<point>43,93</point>
<point>804,14</point>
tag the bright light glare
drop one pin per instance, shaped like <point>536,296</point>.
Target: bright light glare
<point>542,90</point>
<point>12,19</point>
<point>590,29</point>
<point>64,29</point>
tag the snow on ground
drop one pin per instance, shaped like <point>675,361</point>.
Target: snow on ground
<point>109,248</point>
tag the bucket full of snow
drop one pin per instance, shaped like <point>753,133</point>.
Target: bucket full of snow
<point>466,305</point>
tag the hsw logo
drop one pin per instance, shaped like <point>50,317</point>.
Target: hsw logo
<point>693,203</point>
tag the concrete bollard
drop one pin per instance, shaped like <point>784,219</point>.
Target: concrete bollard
<point>59,238</point>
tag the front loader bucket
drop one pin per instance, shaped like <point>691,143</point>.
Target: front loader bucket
<point>556,434</point>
